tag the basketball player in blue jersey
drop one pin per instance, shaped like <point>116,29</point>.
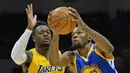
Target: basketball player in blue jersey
<point>34,60</point>
<point>88,57</point>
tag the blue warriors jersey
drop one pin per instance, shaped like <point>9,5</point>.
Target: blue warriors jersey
<point>94,63</point>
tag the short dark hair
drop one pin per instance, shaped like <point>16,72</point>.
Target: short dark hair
<point>39,23</point>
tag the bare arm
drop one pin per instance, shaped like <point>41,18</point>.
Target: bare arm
<point>26,64</point>
<point>18,52</point>
<point>102,42</point>
<point>53,54</point>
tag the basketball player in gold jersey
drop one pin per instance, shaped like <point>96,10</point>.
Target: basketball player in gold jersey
<point>87,57</point>
<point>34,60</point>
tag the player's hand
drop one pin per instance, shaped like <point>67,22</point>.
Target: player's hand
<point>49,22</point>
<point>32,19</point>
<point>76,17</point>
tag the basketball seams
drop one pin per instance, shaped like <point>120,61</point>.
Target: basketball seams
<point>71,24</point>
<point>61,22</point>
<point>64,24</point>
<point>66,16</point>
<point>58,21</point>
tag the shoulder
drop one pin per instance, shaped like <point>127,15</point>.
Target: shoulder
<point>69,53</point>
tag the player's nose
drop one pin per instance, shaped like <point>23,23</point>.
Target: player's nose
<point>45,34</point>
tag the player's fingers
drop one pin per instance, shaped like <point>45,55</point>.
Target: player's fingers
<point>74,20</point>
<point>27,12</point>
<point>31,6</point>
<point>35,17</point>
<point>50,12</point>
<point>73,15</point>
<point>49,19</point>
<point>72,9</point>
<point>28,8</point>
<point>31,9</point>
<point>49,15</point>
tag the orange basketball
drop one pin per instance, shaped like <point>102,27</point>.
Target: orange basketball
<point>61,21</point>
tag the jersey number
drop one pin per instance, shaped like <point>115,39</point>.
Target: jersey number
<point>94,71</point>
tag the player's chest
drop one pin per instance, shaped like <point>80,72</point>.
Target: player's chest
<point>88,65</point>
<point>45,67</point>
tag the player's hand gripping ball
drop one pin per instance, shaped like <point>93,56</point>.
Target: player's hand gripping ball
<point>60,21</point>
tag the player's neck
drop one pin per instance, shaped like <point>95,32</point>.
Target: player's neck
<point>84,51</point>
<point>42,50</point>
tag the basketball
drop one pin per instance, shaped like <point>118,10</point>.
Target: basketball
<point>61,21</point>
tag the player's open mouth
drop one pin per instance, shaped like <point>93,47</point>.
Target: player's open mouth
<point>46,39</point>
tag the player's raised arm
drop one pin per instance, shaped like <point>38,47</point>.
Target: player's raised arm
<point>53,53</point>
<point>102,43</point>
<point>18,52</point>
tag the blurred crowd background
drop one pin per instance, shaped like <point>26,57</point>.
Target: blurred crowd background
<point>109,17</point>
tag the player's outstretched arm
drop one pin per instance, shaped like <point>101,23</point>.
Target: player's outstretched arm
<point>103,43</point>
<point>18,52</point>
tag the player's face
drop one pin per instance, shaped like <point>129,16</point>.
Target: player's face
<point>42,35</point>
<point>79,37</point>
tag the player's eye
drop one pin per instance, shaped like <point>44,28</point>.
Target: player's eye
<point>48,32</point>
<point>79,32</point>
<point>41,32</point>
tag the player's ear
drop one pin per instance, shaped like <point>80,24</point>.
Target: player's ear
<point>89,39</point>
<point>33,38</point>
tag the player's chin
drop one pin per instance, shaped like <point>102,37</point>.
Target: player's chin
<point>75,44</point>
<point>46,43</point>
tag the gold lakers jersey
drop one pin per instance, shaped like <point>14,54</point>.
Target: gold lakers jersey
<point>40,64</point>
